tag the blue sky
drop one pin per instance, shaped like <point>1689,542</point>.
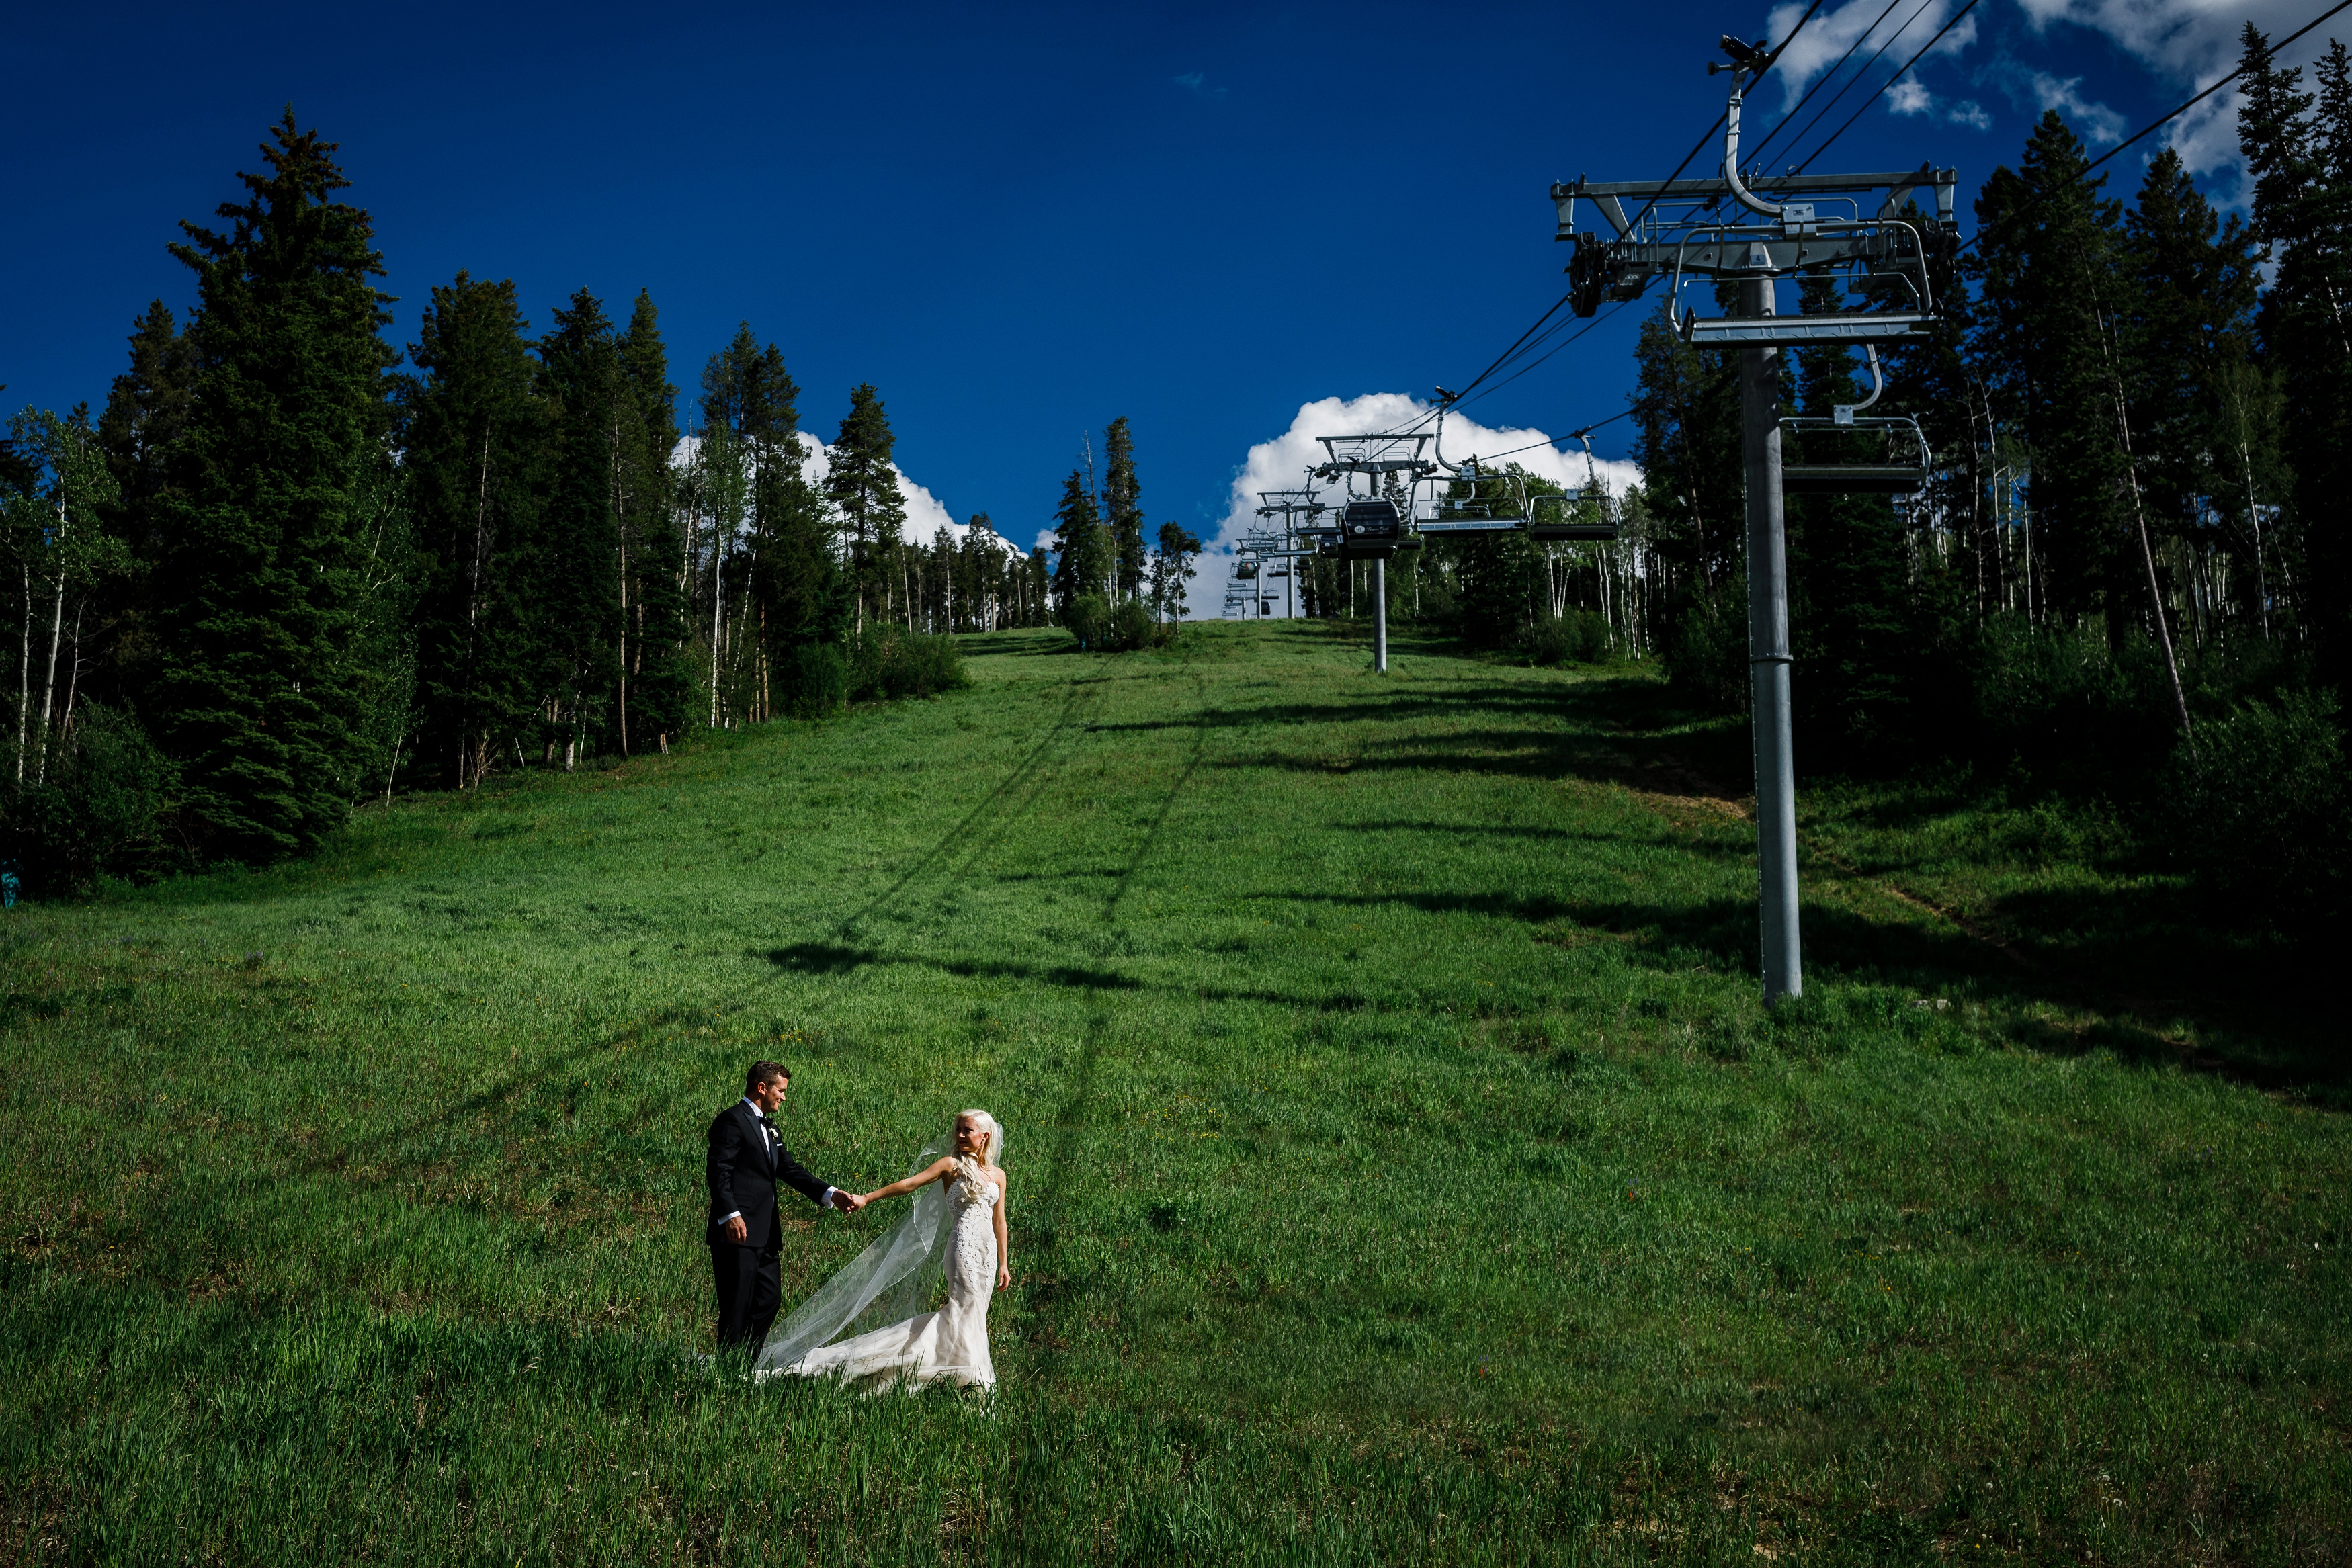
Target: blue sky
<point>1016,222</point>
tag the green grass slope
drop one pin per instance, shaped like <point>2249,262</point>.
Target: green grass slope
<point>1401,1166</point>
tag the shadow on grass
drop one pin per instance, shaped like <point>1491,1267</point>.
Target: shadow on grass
<point>836,958</point>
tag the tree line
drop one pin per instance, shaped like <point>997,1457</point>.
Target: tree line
<point>288,567</point>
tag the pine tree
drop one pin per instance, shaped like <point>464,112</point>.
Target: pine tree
<point>2301,169</point>
<point>1171,568</point>
<point>2048,270</point>
<point>472,435</point>
<point>145,410</point>
<point>263,554</point>
<point>1848,579</point>
<point>1686,423</point>
<point>1121,506</point>
<point>576,568</point>
<point>792,588</point>
<point>2188,345</point>
<point>1084,553</point>
<point>657,678</point>
<point>864,489</point>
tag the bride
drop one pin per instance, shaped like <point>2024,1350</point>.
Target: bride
<point>956,1225</point>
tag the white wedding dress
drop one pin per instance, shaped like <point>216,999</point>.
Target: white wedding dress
<point>950,1344</point>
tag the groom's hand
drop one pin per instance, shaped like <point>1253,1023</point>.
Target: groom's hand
<point>847,1202</point>
<point>735,1231</point>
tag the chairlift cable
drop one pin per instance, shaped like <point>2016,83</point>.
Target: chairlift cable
<point>1837,96</point>
<point>2154,125</point>
<point>1860,39</point>
<point>1771,59</point>
<point>1863,109</point>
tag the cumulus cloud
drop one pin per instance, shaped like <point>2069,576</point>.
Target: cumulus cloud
<point>1282,464</point>
<point>1907,97</point>
<point>1865,26</point>
<point>925,515</point>
<point>1970,113</point>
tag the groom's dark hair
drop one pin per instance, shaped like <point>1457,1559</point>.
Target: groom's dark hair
<point>763,1072</point>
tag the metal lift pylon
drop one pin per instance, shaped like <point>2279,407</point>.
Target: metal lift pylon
<point>1373,529</point>
<point>1675,234</point>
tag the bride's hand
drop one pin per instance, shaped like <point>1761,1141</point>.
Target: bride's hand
<point>1003,1277</point>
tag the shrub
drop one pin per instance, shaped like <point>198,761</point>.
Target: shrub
<point>1707,656</point>
<point>1131,627</point>
<point>1578,637</point>
<point>101,811</point>
<point>891,662</point>
<point>2255,809</point>
<point>816,680</point>
<point>1088,615</point>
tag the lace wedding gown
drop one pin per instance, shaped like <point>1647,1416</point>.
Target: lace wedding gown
<point>951,1343</point>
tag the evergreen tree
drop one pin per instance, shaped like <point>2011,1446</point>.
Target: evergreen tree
<point>474,435</point>
<point>576,568</point>
<point>1036,588</point>
<point>1122,508</point>
<point>1686,425</point>
<point>1085,556</point>
<point>2049,269</point>
<point>2188,345</point>
<point>793,591</point>
<point>657,678</point>
<point>864,489</point>
<point>2301,169</point>
<point>1849,579</point>
<point>264,554</point>
<point>1171,568</point>
<point>145,411</point>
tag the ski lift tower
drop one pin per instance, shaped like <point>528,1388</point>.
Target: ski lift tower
<point>1757,231</point>
<point>1372,529</point>
<point>1290,506</point>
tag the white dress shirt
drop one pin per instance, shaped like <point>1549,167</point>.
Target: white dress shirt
<point>768,1140</point>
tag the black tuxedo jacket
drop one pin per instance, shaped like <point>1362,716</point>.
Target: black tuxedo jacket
<point>743,1177</point>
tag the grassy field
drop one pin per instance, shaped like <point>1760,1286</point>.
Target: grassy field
<point>1403,1166</point>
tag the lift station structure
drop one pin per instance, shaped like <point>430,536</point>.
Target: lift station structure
<point>1755,231</point>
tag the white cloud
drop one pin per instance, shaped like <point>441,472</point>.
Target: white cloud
<point>1864,27</point>
<point>1970,113</point>
<point>925,515</point>
<point>1282,464</point>
<point>1907,97</point>
<point>2190,44</point>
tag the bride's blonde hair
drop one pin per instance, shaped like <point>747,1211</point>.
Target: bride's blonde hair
<point>992,1144</point>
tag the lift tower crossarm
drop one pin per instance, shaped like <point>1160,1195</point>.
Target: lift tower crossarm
<point>1610,195</point>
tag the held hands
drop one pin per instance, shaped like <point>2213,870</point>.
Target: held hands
<point>849,1202</point>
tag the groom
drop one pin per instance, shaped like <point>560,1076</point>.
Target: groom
<point>746,1235</point>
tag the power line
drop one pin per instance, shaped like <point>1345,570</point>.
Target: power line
<point>2154,124</point>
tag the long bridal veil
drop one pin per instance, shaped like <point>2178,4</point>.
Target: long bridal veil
<point>891,1280</point>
